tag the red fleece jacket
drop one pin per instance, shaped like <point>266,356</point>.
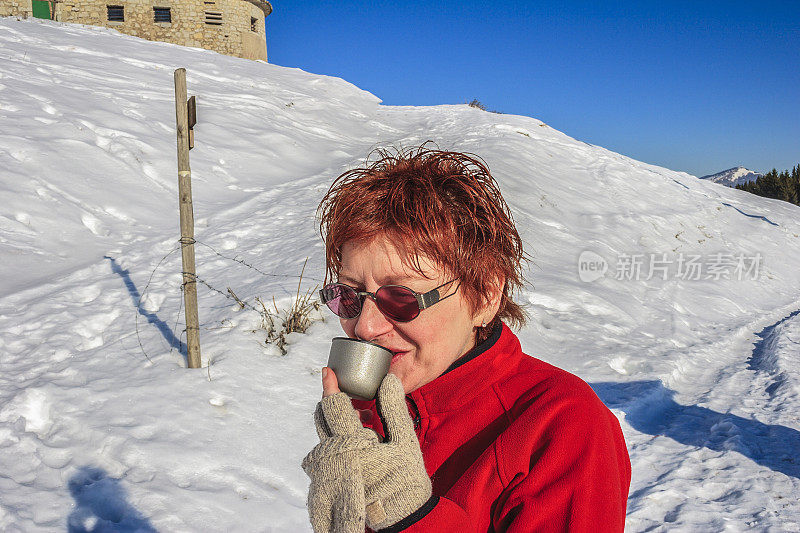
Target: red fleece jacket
<point>514,444</point>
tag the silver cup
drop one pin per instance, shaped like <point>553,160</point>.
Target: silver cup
<point>360,366</point>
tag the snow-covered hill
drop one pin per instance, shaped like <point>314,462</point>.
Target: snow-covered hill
<point>699,365</point>
<point>733,176</point>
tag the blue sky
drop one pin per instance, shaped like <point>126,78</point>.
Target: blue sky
<point>692,86</point>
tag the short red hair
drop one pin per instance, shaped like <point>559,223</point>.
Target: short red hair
<point>443,205</point>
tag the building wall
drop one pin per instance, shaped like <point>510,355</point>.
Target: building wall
<point>16,8</point>
<point>194,22</point>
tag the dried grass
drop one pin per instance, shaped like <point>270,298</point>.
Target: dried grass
<point>298,318</point>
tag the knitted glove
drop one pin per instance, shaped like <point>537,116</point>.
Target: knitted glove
<point>395,481</point>
<point>336,494</point>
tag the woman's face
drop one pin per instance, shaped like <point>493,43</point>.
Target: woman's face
<point>425,346</point>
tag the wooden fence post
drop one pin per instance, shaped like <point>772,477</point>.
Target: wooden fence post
<point>187,221</point>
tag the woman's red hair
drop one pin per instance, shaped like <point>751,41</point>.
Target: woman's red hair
<point>443,205</point>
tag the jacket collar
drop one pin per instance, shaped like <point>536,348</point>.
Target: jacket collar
<point>470,374</point>
<point>477,350</point>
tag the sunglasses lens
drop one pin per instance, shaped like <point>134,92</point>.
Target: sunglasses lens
<point>342,300</point>
<point>397,303</point>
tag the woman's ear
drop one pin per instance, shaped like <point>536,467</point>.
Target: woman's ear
<point>494,296</point>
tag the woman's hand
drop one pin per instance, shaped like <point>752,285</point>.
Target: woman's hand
<point>336,502</point>
<point>330,386</point>
<point>355,478</point>
<point>396,484</point>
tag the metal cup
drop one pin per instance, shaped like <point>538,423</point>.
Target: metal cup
<point>360,366</point>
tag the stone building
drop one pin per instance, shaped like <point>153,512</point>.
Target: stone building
<point>232,27</point>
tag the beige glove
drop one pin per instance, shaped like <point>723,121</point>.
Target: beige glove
<point>395,481</point>
<point>336,494</point>
<point>355,477</point>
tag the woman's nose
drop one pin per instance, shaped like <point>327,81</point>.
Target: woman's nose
<point>371,323</point>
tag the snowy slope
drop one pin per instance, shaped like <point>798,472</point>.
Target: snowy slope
<point>701,372</point>
<point>733,176</point>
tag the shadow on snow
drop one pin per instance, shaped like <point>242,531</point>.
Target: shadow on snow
<point>765,356</point>
<point>761,217</point>
<point>152,318</point>
<point>101,505</point>
<point>649,407</point>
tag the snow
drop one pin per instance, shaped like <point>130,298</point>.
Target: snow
<point>733,176</point>
<point>94,436</point>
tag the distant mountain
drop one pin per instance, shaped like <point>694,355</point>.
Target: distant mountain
<point>733,176</point>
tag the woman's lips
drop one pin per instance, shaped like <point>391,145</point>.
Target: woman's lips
<point>397,355</point>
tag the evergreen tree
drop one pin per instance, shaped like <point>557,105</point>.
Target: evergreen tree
<point>784,186</point>
<point>796,182</point>
<point>768,185</point>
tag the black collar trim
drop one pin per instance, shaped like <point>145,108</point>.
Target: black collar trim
<point>477,350</point>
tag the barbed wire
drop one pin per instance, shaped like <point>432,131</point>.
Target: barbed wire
<point>248,265</point>
<point>228,295</point>
<point>225,294</point>
<point>141,297</point>
<point>175,327</point>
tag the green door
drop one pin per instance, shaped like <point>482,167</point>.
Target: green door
<point>41,9</point>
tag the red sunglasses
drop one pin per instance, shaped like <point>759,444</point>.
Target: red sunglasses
<point>395,301</point>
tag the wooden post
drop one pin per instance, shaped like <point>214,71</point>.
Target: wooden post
<point>187,221</point>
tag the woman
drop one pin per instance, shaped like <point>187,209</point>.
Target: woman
<point>468,433</point>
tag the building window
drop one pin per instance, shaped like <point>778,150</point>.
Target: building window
<point>214,18</point>
<point>161,14</point>
<point>116,13</point>
<point>253,24</point>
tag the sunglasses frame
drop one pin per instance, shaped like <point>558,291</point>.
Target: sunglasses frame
<point>424,300</point>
